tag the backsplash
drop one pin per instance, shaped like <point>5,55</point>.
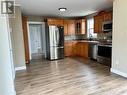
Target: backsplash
<point>100,36</point>
<point>75,37</point>
<point>104,36</point>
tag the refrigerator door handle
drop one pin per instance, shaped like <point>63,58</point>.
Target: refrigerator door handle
<point>57,36</point>
<point>59,47</point>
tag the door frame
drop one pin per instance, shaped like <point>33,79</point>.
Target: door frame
<point>28,23</point>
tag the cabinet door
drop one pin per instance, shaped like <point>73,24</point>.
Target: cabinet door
<point>108,16</point>
<point>55,22</point>
<point>71,27</point>
<point>82,45</point>
<point>59,22</point>
<point>74,49</point>
<point>84,50</point>
<point>83,26</point>
<point>78,49</point>
<point>78,24</point>
<point>100,23</point>
<point>51,22</point>
<point>65,27</point>
<point>68,49</point>
<point>98,20</point>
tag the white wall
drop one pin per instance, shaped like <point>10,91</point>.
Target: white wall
<point>17,39</point>
<point>6,72</point>
<point>119,53</point>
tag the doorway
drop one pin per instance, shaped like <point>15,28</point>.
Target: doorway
<point>36,41</point>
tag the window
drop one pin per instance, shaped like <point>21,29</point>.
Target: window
<point>90,28</point>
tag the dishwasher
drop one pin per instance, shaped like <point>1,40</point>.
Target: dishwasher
<point>92,51</point>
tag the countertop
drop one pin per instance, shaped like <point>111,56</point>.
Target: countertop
<point>82,41</point>
<point>91,42</point>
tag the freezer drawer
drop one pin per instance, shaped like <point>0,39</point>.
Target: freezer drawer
<point>56,53</point>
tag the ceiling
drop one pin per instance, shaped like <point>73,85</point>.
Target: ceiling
<point>75,8</point>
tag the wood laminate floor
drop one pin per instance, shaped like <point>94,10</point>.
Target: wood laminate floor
<point>69,76</point>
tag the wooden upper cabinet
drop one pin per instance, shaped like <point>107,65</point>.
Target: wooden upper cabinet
<point>83,26</point>
<point>100,23</point>
<point>108,16</point>
<point>96,29</point>
<point>71,27</point>
<point>99,19</point>
<point>58,22</point>
<point>65,27</point>
<point>80,26</point>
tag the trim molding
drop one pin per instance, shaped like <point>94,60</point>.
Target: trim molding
<point>35,22</point>
<point>20,68</point>
<point>119,72</point>
<point>32,22</point>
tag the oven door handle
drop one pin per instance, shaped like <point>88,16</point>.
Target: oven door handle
<point>105,45</point>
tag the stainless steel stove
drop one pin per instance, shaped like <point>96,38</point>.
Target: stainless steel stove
<point>104,53</point>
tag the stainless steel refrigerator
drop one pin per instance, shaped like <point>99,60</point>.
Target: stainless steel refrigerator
<point>55,42</point>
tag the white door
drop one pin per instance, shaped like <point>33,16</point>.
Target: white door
<point>35,40</point>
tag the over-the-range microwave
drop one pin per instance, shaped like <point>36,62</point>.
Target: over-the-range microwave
<point>107,26</point>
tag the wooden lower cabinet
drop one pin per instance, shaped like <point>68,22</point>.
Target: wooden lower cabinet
<point>68,49</point>
<point>78,49</point>
<point>73,48</point>
<point>84,50</point>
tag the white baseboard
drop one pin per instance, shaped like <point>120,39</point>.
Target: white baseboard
<point>119,72</point>
<point>20,68</point>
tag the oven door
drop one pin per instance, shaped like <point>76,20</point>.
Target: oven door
<point>104,54</point>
